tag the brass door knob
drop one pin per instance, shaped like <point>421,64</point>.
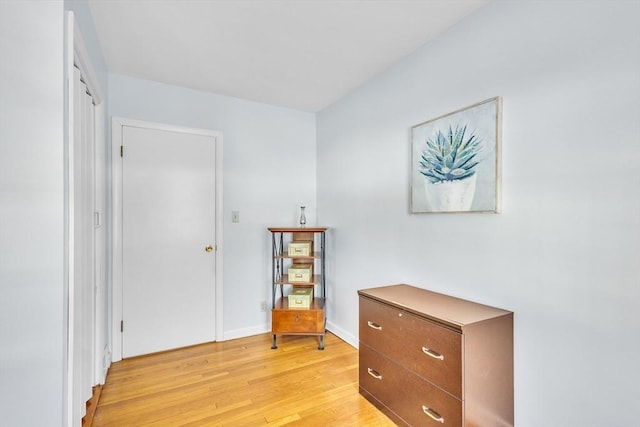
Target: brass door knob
<point>208,248</point>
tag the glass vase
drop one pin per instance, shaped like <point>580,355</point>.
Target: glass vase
<point>303,218</point>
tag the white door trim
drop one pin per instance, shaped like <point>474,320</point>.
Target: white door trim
<point>117,124</point>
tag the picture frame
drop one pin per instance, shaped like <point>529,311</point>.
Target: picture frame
<point>455,161</point>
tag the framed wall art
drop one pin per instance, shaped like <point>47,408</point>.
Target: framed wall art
<point>455,161</point>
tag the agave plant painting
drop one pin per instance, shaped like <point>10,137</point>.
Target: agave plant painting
<point>450,157</point>
<point>455,161</point>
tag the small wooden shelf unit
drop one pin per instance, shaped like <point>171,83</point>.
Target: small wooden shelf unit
<point>296,320</point>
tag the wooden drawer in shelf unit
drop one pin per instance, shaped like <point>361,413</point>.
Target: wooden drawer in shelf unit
<point>298,321</point>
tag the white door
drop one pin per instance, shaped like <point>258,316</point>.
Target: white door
<point>168,221</point>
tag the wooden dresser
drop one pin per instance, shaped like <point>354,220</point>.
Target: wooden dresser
<point>428,359</point>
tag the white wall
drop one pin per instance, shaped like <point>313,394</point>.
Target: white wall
<point>265,147</point>
<point>31,213</point>
<point>563,255</point>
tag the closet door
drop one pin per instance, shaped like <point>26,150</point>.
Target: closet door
<point>81,250</point>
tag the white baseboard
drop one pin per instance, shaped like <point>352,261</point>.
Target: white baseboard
<point>343,334</point>
<point>245,332</point>
<point>261,329</point>
<point>106,360</point>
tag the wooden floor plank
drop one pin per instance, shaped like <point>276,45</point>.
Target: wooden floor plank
<point>239,382</point>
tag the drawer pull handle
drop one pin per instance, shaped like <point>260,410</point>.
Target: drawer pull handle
<point>432,353</point>
<point>432,414</point>
<point>374,374</point>
<point>374,325</point>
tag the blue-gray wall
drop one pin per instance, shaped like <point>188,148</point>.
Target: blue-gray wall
<point>269,171</point>
<point>563,255</point>
<point>32,288</point>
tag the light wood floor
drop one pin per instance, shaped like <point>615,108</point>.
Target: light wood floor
<point>239,383</point>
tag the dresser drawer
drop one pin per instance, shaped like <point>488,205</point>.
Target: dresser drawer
<point>420,345</point>
<point>410,397</point>
<point>298,321</point>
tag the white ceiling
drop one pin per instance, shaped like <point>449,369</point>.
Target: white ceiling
<point>301,54</point>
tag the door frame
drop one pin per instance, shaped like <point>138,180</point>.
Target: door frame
<point>117,123</point>
<point>77,53</point>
